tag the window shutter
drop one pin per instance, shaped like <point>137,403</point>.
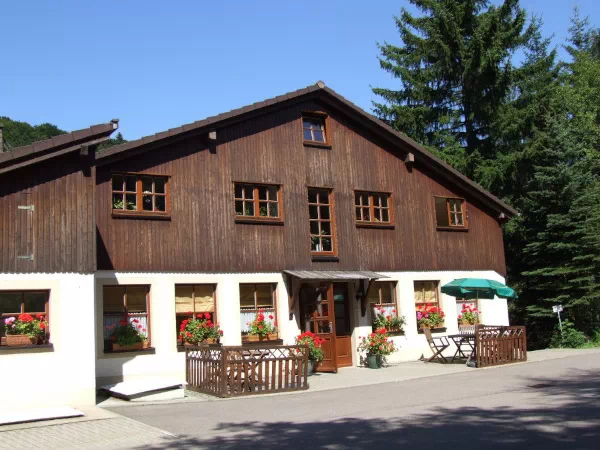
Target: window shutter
<point>24,235</point>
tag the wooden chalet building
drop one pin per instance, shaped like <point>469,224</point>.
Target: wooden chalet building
<point>303,205</point>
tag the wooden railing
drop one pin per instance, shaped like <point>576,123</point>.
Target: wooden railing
<point>246,370</point>
<point>497,345</point>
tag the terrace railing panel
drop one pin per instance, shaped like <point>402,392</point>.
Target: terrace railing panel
<point>246,370</point>
<point>497,345</point>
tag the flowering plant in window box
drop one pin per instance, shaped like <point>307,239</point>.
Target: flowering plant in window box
<point>25,330</point>
<point>469,314</point>
<point>376,346</point>
<point>391,322</point>
<point>128,335</point>
<point>261,329</point>
<point>430,317</point>
<point>199,329</point>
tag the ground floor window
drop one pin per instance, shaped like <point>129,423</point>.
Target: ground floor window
<point>193,299</point>
<point>129,303</point>
<point>15,303</point>
<point>427,304</point>
<point>382,300</point>
<point>467,311</point>
<point>255,298</point>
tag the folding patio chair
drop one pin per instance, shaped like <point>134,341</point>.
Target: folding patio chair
<point>437,345</point>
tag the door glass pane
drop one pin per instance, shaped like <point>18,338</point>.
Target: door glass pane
<point>341,321</point>
<point>136,299</point>
<point>264,296</point>
<point>323,326</point>
<point>113,299</point>
<point>183,299</point>
<point>10,303</point>
<point>247,296</point>
<point>35,302</point>
<point>204,298</point>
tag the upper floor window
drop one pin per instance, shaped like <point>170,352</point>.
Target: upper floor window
<point>31,303</point>
<point>140,194</point>
<point>373,208</point>
<point>314,128</point>
<point>320,212</point>
<point>450,212</point>
<point>257,201</point>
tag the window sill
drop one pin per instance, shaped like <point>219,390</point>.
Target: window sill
<point>140,215</point>
<point>127,353</point>
<point>388,226</point>
<point>261,343</point>
<point>434,330</point>
<point>317,144</point>
<point>325,258</point>
<point>258,221</point>
<point>41,348</point>
<point>182,348</point>
<point>452,229</point>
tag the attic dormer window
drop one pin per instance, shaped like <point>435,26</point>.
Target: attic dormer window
<point>314,129</point>
<point>450,213</point>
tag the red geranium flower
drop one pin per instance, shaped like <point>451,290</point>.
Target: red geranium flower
<point>207,315</point>
<point>271,316</point>
<point>25,318</point>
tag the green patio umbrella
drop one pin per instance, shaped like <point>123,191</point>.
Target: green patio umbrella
<point>470,288</point>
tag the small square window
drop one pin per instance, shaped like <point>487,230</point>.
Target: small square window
<point>314,129</point>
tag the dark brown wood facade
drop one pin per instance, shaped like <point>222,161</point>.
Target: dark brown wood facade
<point>203,236</point>
<point>47,217</point>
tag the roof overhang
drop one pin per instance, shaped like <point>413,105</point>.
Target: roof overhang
<point>334,275</point>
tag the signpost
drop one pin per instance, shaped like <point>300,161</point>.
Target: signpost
<point>558,309</point>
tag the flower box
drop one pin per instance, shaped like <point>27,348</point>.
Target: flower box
<point>258,338</point>
<point>121,348</point>
<point>20,340</point>
<point>203,342</point>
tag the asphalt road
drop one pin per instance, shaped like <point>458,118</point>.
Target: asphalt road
<point>544,405</point>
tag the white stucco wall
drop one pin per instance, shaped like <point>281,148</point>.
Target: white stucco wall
<point>166,361</point>
<point>64,375</point>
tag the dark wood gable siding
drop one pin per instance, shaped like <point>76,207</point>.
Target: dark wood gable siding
<point>59,232</point>
<point>203,237</point>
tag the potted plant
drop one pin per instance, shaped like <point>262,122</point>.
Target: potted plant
<point>430,317</point>
<point>128,335</point>
<point>261,329</point>
<point>469,314</point>
<point>25,330</point>
<point>376,346</point>
<point>199,330</point>
<point>315,352</point>
<point>391,322</point>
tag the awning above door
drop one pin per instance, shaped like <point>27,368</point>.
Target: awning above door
<point>334,275</point>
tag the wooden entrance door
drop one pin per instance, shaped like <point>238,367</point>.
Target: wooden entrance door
<point>317,309</point>
<point>343,331</point>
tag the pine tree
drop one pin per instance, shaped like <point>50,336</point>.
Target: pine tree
<point>455,71</point>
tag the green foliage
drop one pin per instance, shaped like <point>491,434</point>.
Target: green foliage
<point>314,343</point>
<point>127,333</point>
<point>198,329</point>
<point>26,324</point>
<point>455,70</point>
<point>377,343</point>
<point>18,134</point>
<point>260,326</point>
<point>569,338</point>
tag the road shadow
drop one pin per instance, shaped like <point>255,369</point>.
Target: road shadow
<point>570,420</point>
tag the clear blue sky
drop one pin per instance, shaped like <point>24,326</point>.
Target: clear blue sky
<point>159,64</point>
